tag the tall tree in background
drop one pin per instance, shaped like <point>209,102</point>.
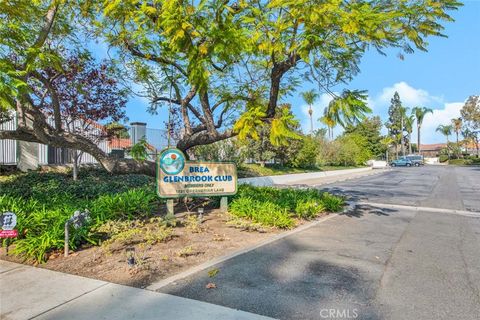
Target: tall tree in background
<point>370,129</point>
<point>457,127</point>
<point>409,120</point>
<point>420,113</point>
<point>310,97</point>
<point>471,119</point>
<point>328,121</point>
<point>394,123</point>
<point>446,130</point>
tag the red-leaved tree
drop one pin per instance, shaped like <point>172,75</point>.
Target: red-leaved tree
<point>87,95</point>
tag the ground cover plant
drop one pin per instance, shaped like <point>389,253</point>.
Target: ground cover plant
<point>44,201</point>
<point>276,207</point>
<point>125,210</point>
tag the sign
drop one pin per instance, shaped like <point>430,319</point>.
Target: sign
<point>8,234</point>
<point>180,178</point>
<point>8,221</point>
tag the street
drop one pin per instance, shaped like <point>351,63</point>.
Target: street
<point>411,250</point>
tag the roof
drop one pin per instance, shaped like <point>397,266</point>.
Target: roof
<point>433,147</point>
<point>119,143</point>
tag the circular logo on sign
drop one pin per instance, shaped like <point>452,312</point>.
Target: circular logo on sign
<point>172,161</point>
<point>8,220</point>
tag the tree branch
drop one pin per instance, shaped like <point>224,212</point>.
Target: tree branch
<point>136,52</point>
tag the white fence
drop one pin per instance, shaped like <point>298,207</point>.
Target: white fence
<point>44,154</point>
<point>8,148</point>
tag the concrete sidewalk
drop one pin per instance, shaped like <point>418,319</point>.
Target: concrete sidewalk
<point>309,178</point>
<point>35,293</point>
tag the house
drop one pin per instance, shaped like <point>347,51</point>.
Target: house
<point>432,150</point>
<point>31,155</point>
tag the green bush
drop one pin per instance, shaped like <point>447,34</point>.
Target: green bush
<point>44,201</point>
<point>278,207</point>
<point>309,209</point>
<point>332,203</point>
<point>443,158</point>
<point>265,213</point>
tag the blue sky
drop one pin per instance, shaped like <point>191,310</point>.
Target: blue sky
<point>441,78</point>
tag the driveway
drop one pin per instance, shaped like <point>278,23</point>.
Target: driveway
<point>411,251</point>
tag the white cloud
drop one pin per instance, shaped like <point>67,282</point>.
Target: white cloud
<point>443,112</point>
<point>411,97</point>
<point>438,117</point>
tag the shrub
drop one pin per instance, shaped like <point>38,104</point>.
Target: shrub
<point>332,203</point>
<point>266,213</point>
<point>44,201</point>
<point>277,207</point>
<point>308,209</point>
<point>443,158</point>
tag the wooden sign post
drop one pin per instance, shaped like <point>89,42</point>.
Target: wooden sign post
<point>177,178</point>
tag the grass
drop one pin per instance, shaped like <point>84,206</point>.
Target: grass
<point>44,201</point>
<point>256,170</point>
<point>279,208</point>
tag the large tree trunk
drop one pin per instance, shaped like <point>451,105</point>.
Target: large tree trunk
<point>77,142</point>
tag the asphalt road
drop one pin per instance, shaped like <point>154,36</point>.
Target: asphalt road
<point>375,262</point>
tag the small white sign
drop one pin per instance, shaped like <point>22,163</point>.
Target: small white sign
<point>8,220</point>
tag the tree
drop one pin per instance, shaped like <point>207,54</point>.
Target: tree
<point>395,123</point>
<point>386,142</point>
<point>446,130</point>
<point>471,113</point>
<point>420,113</point>
<point>309,97</point>
<point>471,137</point>
<point>409,120</point>
<point>33,37</point>
<point>87,94</point>
<point>220,60</point>
<point>307,155</point>
<point>327,120</point>
<point>353,149</point>
<point>370,129</point>
<point>457,127</point>
<point>263,146</point>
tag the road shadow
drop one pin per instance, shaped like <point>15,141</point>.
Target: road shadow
<point>288,279</point>
<point>359,210</point>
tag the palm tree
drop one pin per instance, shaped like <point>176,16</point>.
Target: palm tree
<point>309,97</point>
<point>446,130</point>
<point>420,113</point>
<point>329,122</point>
<point>457,127</point>
<point>347,109</point>
<point>409,120</point>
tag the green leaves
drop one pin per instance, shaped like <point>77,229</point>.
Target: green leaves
<point>348,108</point>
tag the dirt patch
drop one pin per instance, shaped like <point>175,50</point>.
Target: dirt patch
<point>186,248</point>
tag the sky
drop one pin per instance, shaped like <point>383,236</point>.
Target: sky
<point>441,79</point>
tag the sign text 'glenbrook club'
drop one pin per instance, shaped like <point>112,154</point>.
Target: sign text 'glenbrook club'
<point>180,178</point>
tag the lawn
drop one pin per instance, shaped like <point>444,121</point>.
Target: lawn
<point>256,170</point>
